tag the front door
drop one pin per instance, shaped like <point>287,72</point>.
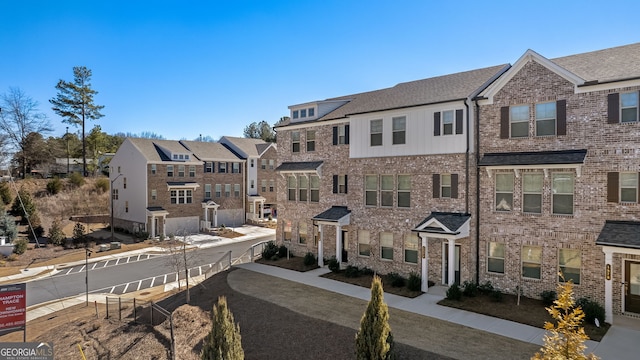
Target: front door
<point>456,266</point>
<point>345,246</point>
<point>632,287</point>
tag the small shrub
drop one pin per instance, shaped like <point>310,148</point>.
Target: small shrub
<point>102,185</point>
<point>454,292</point>
<point>415,282</point>
<point>269,250</point>
<point>20,246</point>
<point>592,310</point>
<point>55,233</point>
<point>142,235</point>
<point>334,265</point>
<point>310,259</point>
<point>275,257</point>
<point>396,279</point>
<point>5,193</point>
<point>78,235</point>
<point>485,288</point>
<point>76,180</point>
<point>282,251</point>
<point>366,271</point>
<point>496,295</point>
<point>54,186</point>
<point>351,271</point>
<point>469,288</point>
<point>548,297</point>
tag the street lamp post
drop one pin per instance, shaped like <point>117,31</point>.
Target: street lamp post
<point>111,190</point>
<point>87,253</point>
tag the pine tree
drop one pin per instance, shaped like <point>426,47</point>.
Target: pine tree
<point>566,339</point>
<point>224,341</point>
<point>23,205</point>
<point>374,340</point>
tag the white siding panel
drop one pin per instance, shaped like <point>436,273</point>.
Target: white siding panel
<point>183,225</point>
<point>133,166</point>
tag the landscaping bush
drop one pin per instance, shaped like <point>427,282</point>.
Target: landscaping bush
<point>102,185</point>
<point>282,251</point>
<point>469,288</point>
<point>76,180</point>
<point>366,271</point>
<point>29,205</point>
<point>334,265</point>
<point>592,310</point>
<point>496,295</point>
<point>5,193</point>
<point>310,259</point>
<point>142,235</point>
<point>548,297</point>
<point>269,250</point>
<point>54,186</point>
<point>351,271</point>
<point>56,236</point>
<point>415,282</point>
<point>485,288</point>
<point>8,227</point>
<point>396,279</point>
<point>454,292</point>
<point>20,246</point>
<point>78,235</point>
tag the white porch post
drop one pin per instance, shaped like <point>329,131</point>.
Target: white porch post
<point>320,242</point>
<point>153,226</point>
<point>164,225</point>
<point>338,252</point>
<point>608,285</point>
<point>425,263</point>
<point>451,268</point>
<point>206,216</point>
<point>215,217</point>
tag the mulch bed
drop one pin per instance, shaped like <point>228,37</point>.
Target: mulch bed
<point>364,280</point>
<point>293,263</point>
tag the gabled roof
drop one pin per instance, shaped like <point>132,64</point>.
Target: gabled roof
<point>534,158</point>
<point>152,149</point>
<point>209,151</point>
<point>617,63</point>
<point>443,223</point>
<point>620,234</point>
<point>247,147</point>
<point>299,166</point>
<point>333,214</point>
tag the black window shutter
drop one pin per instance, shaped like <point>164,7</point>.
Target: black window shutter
<point>240,168</point>
<point>454,186</point>
<point>504,122</point>
<point>219,166</point>
<point>436,186</point>
<point>459,121</point>
<point>335,135</point>
<point>345,184</point>
<point>561,117</point>
<point>346,134</point>
<point>335,184</point>
<point>613,108</point>
<point>436,124</point>
<point>612,186</point>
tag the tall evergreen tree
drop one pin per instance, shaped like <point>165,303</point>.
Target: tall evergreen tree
<point>223,342</point>
<point>374,340</point>
<point>74,103</point>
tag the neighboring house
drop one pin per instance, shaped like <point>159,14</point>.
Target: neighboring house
<point>260,177</point>
<point>382,179</point>
<point>167,187</point>
<point>559,168</point>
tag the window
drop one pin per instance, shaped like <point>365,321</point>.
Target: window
<point>271,185</point>
<point>207,191</point>
<point>303,185</point>
<point>222,167</point>
<point>264,186</point>
<point>629,107</point>
<point>404,190</point>
<point>153,169</point>
<point>114,194</point>
<point>126,206</point>
<point>302,232</point>
<point>174,196</point>
<point>495,258</point>
<point>119,170</point>
<point>227,190</point>
<point>340,134</point>
<point>314,182</point>
<point>504,192</point>
<point>303,113</point>
<point>531,261</point>
<point>189,196</point>
<point>411,248</point>
<point>445,185</point>
<point>208,167</point>
<point>375,131</point>
<point>311,140</point>
<point>546,119</point>
<point>562,190</point>
<point>192,171</point>
<point>295,141</point>
<point>263,164</point>
<point>154,194</point>
<point>169,170</point>
<point>399,130</point>
<point>629,187</point>
<point>532,193</point>
<point>312,112</point>
<point>364,249</point>
<point>236,190</point>
<point>519,121</point>
<point>386,190</point>
<point>181,196</point>
<point>287,231</point>
<point>569,263</point>
<point>386,245</point>
<point>124,182</point>
<point>339,184</point>
<point>271,164</point>
<point>180,170</point>
<point>371,190</point>
<point>294,114</point>
<point>291,184</point>
<point>235,168</point>
<point>252,184</point>
<point>447,122</point>
<point>218,190</point>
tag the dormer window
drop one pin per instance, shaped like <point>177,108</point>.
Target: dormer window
<point>294,114</point>
<point>303,113</point>
<point>311,112</point>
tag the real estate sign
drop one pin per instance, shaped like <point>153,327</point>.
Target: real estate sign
<point>13,306</point>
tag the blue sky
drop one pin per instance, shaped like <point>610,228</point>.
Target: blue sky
<point>185,68</point>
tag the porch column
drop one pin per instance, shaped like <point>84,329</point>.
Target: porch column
<point>206,216</point>
<point>164,225</point>
<point>451,268</point>
<point>338,248</point>
<point>425,263</point>
<point>320,241</point>
<point>261,214</point>
<point>215,217</point>
<point>608,286</point>
<point>153,226</point>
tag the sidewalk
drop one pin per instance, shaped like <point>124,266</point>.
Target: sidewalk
<point>619,343</point>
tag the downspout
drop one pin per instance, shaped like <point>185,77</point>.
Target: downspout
<point>477,144</point>
<point>466,158</point>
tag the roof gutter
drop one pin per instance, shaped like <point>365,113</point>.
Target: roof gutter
<point>466,158</point>
<point>477,126</point>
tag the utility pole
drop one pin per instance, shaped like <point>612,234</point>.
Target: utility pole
<point>87,253</point>
<point>186,268</point>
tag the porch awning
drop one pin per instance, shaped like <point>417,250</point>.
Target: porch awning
<point>534,158</point>
<point>335,214</point>
<point>156,211</point>
<point>182,185</point>
<point>299,166</point>
<point>624,234</point>
<point>255,198</point>
<point>445,223</point>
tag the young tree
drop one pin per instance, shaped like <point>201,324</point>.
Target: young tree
<point>8,227</point>
<point>23,205</point>
<point>224,340</point>
<point>19,118</point>
<point>261,130</point>
<point>374,340</point>
<point>55,233</point>
<point>74,103</point>
<point>566,339</point>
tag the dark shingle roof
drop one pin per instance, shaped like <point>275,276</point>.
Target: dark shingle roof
<point>620,233</point>
<point>249,146</point>
<point>534,158</point>
<point>453,221</point>
<point>155,208</point>
<point>622,62</point>
<point>210,151</point>
<point>335,213</point>
<point>181,183</point>
<point>299,166</point>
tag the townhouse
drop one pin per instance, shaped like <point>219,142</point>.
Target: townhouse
<point>383,179</point>
<point>166,187</point>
